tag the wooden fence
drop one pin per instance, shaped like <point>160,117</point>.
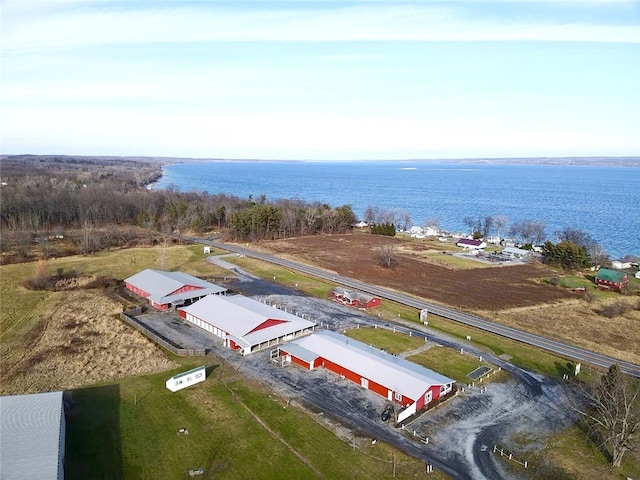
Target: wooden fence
<point>129,318</point>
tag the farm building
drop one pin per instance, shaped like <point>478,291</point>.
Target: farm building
<point>353,298</point>
<point>164,290</point>
<point>405,383</point>
<point>32,437</point>
<point>245,324</point>
<point>515,252</point>
<point>611,279</point>
<point>470,244</point>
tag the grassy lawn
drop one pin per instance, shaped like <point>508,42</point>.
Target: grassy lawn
<point>393,342</point>
<point>521,355</point>
<point>236,430</point>
<point>452,363</point>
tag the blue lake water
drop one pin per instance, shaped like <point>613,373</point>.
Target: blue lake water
<point>603,201</point>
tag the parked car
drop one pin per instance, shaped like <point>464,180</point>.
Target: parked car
<point>387,413</point>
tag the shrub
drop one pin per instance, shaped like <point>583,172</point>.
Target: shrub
<point>614,309</point>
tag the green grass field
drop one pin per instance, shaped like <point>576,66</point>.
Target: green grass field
<point>237,429</point>
<point>394,343</point>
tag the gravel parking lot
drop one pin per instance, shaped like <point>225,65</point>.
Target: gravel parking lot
<point>461,433</point>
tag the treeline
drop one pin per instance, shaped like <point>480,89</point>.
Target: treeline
<point>64,195</point>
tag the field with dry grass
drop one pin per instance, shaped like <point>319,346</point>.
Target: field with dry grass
<point>516,295</point>
<point>78,341</point>
<point>59,340</point>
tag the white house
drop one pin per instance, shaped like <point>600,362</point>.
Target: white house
<point>471,244</point>
<point>626,262</point>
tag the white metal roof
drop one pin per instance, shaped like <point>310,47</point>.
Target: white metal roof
<point>30,431</point>
<point>239,315</point>
<point>395,373</point>
<point>160,285</point>
<point>516,251</point>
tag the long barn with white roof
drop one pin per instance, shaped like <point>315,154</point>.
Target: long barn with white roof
<point>245,324</point>
<point>165,290</point>
<point>405,383</point>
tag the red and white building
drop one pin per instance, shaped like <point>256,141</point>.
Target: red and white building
<point>245,324</point>
<point>353,298</point>
<point>165,290</point>
<point>398,380</point>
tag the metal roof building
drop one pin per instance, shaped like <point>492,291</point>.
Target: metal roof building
<point>164,290</point>
<point>400,380</point>
<point>32,437</point>
<point>245,324</point>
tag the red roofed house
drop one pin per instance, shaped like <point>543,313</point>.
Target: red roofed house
<point>245,324</point>
<point>164,290</point>
<point>400,381</point>
<point>354,299</point>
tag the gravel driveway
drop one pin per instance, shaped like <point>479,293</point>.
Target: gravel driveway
<point>462,433</point>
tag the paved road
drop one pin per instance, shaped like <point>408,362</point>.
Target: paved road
<point>554,346</point>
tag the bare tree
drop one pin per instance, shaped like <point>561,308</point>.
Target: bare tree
<point>499,222</point>
<point>612,412</point>
<point>432,223</point>
<point>487,226</point>
<point>387,255</point>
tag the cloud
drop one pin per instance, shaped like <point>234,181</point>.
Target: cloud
<point>94,24</point>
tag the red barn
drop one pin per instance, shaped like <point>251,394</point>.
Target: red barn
<point>405,383</point>
<point>164,290</point>
<point>353,298</point>
<point>611,279</point>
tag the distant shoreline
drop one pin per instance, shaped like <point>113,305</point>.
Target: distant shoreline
<point>596,161</point>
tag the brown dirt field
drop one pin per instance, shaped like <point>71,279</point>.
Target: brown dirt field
<point>79,342</point>
<point>481,288</point>
<point>511,295</point>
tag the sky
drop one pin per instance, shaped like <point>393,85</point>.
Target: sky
<point>328,80</point>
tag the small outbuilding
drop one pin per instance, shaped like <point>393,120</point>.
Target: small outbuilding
<point>165,290</point>
<point>611,279</point>
<point>32,437</point>
<point>245,324</point>
<point>354,298</point>
<point>408,384</point>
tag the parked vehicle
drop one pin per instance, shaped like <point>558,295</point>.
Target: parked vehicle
<point>387,413</point>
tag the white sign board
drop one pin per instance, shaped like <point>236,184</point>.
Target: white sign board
<point>207,250</point>
<point>578,368</point>
<point>423,314</point>
<point>186,379</point>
